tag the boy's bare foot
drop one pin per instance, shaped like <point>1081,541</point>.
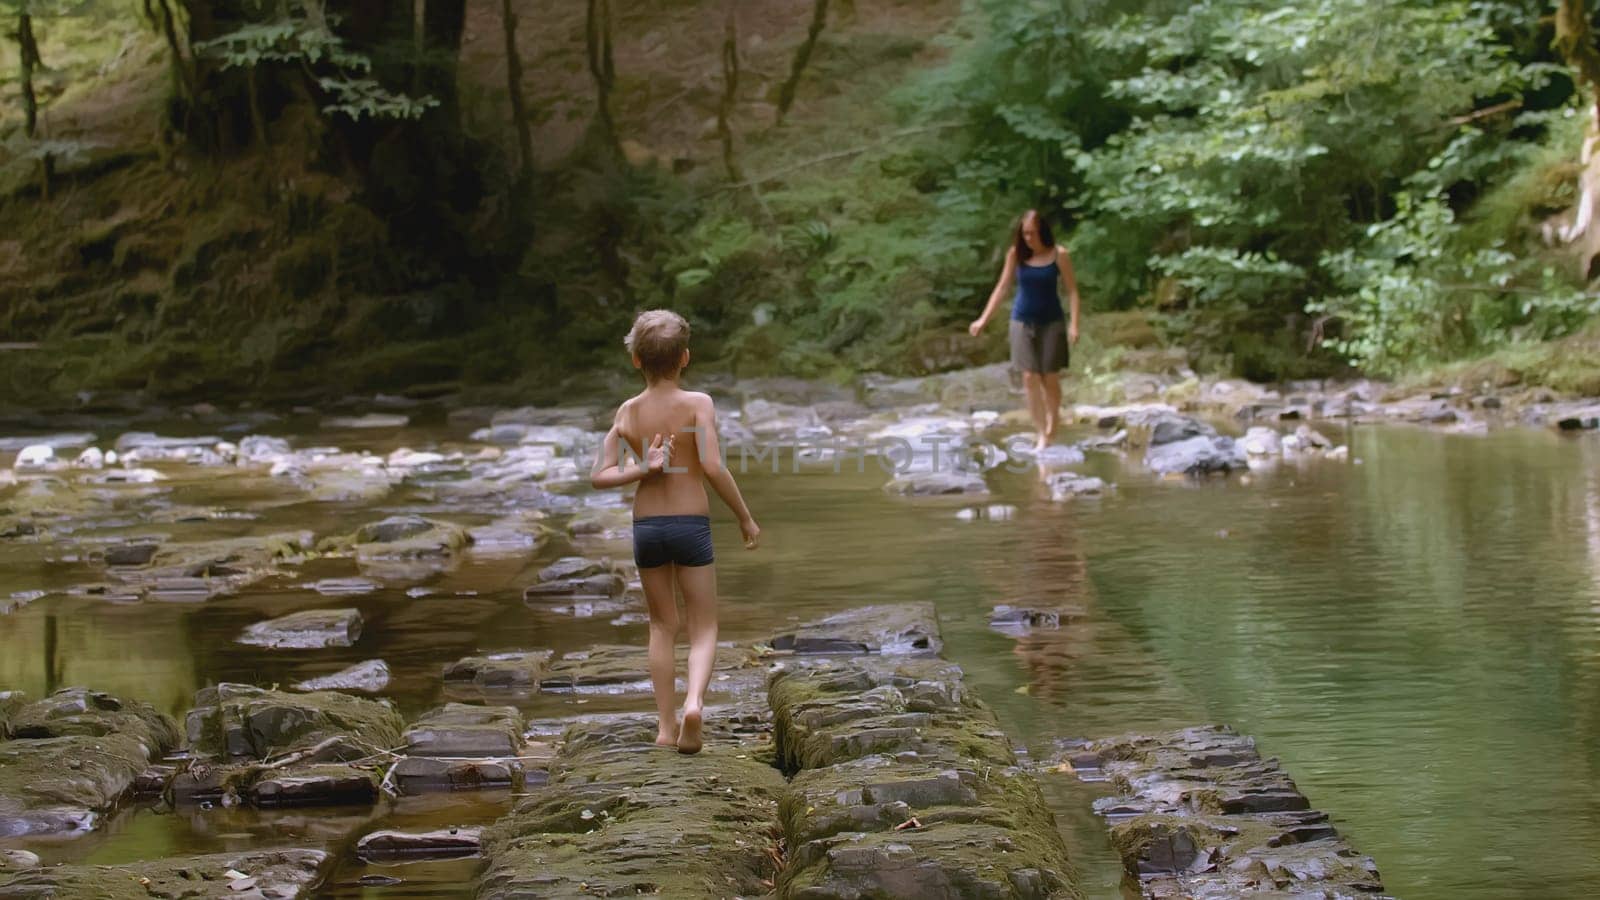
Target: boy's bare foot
<point>667,735</point>
<point>1040,444</point>
<point>689,732</point>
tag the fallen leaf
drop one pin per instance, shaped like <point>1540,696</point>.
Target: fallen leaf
<point>1023,689</point>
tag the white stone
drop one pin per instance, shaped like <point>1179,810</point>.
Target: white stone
<point>92,458</point>
<point>35,456</point>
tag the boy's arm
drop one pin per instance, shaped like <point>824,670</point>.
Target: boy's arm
<point>610,472</point>
<point>705,422</point>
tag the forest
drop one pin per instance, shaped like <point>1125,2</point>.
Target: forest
<point>313,197</point>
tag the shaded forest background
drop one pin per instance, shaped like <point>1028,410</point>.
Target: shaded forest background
<point>302,198</point>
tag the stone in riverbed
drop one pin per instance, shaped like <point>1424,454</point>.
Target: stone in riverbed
<point>233,721</point>
<point>622,816</point>
<point>513,671</point>
<point>16,860</point>
<point>461,729</point>
<point>403,537</point>
<point>1199,812</point>
<point>73,756</point>
<point>445,843</point>
<point>315,785</point>
<point>369,677</point>
<point>901,628</point>
<point>131,554</point>
<point>370,420</point>
<point>306,629</point>
<point>252,875</point>
<point>905,786</point>
<point>937,484</point>
<point>1064,486</point>
<point>420,774</point>
<point>576,576</point>
<point>613,668</point>
<point>1022,618</point>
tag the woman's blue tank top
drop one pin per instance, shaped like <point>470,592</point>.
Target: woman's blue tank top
<point>1037,301</point>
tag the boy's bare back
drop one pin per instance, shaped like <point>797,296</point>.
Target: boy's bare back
<point>683,420</point>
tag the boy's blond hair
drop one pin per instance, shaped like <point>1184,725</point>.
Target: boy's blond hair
<point>658,337</point>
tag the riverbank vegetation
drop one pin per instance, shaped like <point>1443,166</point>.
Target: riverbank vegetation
<point>281,201</point>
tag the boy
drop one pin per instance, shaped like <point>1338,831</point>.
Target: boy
<point>671,516</point>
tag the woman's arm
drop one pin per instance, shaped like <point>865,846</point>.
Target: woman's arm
<point>1069,281</point>
<point>610,472</point>
<point>1007,275</point>
<point>705,423</point>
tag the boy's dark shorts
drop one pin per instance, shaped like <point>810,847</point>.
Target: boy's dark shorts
<point>685,540</point>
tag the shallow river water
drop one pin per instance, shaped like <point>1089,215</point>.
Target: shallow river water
<point>1416,634</point>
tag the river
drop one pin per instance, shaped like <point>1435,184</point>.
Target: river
<point>1415,633</point>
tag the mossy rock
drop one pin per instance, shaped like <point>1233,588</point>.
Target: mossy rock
<point>401,537</point>
<point>268,873</point>
<point>622,816</point>
<point>80,711</point>
<point>236,721</point>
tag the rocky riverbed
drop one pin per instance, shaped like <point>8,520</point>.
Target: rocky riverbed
<point>400,604</point>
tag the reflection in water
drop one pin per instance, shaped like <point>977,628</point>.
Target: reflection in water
<point>1414,636</point>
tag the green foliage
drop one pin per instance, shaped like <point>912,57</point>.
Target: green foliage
<point>349,88</point>
<point>1246,163</point>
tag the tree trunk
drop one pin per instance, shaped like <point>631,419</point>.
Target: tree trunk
<point>730,90</point>
<point>1575,40</point>
<point>519,109</point>
<point>597,38</point>
<point>30,101</point>
<point>802,56</point>
<point>30,61</point>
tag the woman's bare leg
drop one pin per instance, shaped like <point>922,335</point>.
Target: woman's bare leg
<point>1033,385</point>
<point>699,584</point>
<point>663,605</point>
<point>1052,403</point>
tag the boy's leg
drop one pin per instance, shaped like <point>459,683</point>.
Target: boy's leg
<point>1052,402</point>
<point>699,584</point>
<point>658,596</point>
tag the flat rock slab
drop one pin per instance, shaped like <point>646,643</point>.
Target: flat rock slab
<point>422,774</point>
<point>309,629</point>
<point>576,576</point>
<point>612,668</point>
<point>238,721</point>
<point>901,628</point>
<point>461,729</point>
<point>1199,813</point>
<point>905,786</point>
<point>622,816</point>
<point>445,843</point>
<point>254,875</point>
<point>1014,619</point>
<point>314,785</point>
<point>517,670</point>
<point>937,484</point>
<point>74,755</point>
<point>368,677</point>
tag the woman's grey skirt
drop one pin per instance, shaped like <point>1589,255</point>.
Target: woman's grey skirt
<point>1039,347</point>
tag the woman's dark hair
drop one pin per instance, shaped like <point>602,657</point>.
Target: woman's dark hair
<point>1021,245</point>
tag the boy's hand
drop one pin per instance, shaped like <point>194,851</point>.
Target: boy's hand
<point>976,327</point>
<point>751,532</point>
<point>659,455</point>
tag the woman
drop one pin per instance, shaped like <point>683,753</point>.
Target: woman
<point>1039,342</point>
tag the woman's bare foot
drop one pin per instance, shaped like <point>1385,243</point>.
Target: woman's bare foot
<point>667,734</point>
<point>1040,444</point>
<point>689,731</point>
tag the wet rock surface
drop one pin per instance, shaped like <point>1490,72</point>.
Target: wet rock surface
<point>937,484</point>
<point>621,816</point>
<point>254,875</point>
<point>368,677</point>
<point>1199,813</point>
<point>512,671</point>
<point>1182,445</point>
<point>905,786</point>
<point>462,729</point>
<point>307,629</point>
<point>615,668</point>
<point>903,628</point>
<point>72,758</point>
<point>444,843</point>
<point>233,721</point>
